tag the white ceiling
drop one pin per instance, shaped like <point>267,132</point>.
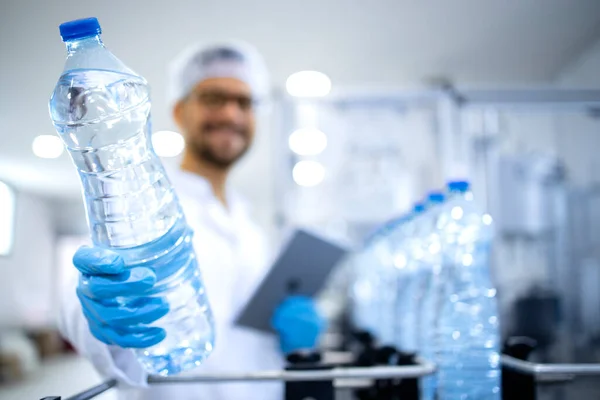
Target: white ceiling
<point>356,42</point>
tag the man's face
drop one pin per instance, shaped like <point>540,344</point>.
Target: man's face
<point>217,120</point>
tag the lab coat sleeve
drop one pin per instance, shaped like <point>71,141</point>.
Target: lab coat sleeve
<point>109,361</point>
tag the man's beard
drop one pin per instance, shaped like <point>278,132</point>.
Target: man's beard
<point>207,154</point>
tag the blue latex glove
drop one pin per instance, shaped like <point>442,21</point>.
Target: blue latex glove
<point>104,277</point>
<point>298,324</point>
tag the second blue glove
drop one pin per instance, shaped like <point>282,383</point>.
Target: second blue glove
<point>298,323</point>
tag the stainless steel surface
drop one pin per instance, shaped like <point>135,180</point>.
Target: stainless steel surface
<point>551,372</point>
<point>352,383</point>
<point>337,357</point>
<point>416,371</point>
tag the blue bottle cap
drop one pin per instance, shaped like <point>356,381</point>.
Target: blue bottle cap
<point>435,197</point>
<point>79,28</point>
<point>418,208</point>
<point>458,186</point>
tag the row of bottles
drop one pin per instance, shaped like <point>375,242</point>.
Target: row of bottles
<point>422,284</point>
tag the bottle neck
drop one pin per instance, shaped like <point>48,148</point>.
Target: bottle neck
<point>453,194</point>
<point>90,53</point>
<point>76,45</point>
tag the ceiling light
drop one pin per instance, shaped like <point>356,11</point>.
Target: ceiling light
<point>308,84</point>
<point>47,146</point>
<point>308,173</point>
<point>308,141</point>
<point>167,143</point>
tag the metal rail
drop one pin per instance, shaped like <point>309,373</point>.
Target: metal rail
<point>535,97</point>
<point>551,372</point>
<point>413,371</point>
<point>540,372</point>
<point>338,373</point>
<point>95,391</point>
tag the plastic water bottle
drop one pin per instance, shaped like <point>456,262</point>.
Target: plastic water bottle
<point>469,338</point>
<point>390,275</point>
<point>101,111</point>
<point>364,291</point>
<point>428,288</point>
<point>372,295</point>
<point>405,245</point>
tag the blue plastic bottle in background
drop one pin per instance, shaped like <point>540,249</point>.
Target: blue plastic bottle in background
<point>387,290</point>
<point>469,337</point>
<point>101,110</point>
<point>428,288</point>
<point>406,265</point>
<point>366,282</point>
<point>379,277</point>
<point>371,294</point>
<point>363,292</point>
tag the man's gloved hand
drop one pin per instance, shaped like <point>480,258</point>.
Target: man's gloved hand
<point>104,278</point>
<point>298,324</point>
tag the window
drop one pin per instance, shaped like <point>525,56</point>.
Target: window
<point>7,218</point>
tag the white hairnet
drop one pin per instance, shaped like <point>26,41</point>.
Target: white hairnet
<point>222,60</point>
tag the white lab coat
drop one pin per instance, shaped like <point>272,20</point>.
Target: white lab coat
<point>232,254</point>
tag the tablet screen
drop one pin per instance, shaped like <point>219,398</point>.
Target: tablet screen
<point>301,268</point>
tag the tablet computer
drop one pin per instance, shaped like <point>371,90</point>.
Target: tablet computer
<point>301,268</point>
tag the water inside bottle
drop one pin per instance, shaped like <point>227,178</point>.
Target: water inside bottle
<point>104,119</point>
